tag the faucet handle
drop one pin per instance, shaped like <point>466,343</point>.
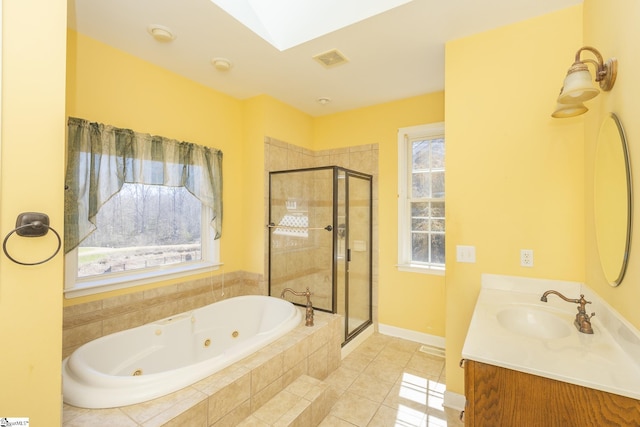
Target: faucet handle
<point>584,325</point>
<point>582,303</point>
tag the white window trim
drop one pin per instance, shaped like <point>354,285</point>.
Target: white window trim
<point>404,172</point>
<point>77,287</point>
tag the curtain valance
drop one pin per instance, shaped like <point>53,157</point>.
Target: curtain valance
<point>101,158</point>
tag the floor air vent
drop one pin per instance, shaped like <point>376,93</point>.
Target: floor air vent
<point>434,351</point>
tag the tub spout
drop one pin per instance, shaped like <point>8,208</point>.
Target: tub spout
<point>309,309</point>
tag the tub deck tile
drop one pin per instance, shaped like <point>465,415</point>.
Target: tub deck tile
<point>158,411</point>
<point>303,403</point>
<point>222,379</point>
<point>226,398</point>
<point>97,417</point>
<point>192,417</point>
<point>229,398</point>
<point>267,372</point>
<point>236,416</point>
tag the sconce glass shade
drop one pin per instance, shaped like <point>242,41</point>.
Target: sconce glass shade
<point>564,111</point>
<point>578,87</point>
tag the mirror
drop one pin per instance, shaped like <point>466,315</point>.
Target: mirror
<point>612,199</point>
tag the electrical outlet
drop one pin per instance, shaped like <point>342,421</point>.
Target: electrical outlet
<point>526,257</point>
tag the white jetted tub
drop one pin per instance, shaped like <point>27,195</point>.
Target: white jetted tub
<point>159,358</point>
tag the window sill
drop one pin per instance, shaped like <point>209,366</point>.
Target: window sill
<point>422,269</point>
<point>93,286</point>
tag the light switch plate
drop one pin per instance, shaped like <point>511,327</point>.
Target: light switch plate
<point>466,253</point>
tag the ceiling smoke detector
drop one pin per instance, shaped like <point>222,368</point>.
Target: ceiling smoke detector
<point>331,58</point>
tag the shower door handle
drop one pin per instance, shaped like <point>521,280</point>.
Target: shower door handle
<point>294,227</point>
<point>348,255</point>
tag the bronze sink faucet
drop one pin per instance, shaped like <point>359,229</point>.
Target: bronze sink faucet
<point>583,320</point>
<point>309,308</point>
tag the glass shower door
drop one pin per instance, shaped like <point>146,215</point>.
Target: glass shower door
<point>358,253</point>
<point>301,236</point>
<point>320,238</point>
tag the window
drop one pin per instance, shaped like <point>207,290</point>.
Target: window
<point>421,206</point>
<point>138,208</point>
<point>143,233</point>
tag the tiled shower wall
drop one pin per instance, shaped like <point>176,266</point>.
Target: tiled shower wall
<point>280,156</point>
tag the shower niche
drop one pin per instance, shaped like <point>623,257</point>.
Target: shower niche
<point>320,234</point>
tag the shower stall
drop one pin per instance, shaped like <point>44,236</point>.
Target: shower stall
<point>320,234</point>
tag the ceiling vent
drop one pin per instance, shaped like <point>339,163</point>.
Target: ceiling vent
<point>331,58</point>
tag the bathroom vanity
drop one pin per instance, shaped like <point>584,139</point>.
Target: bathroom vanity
<point>505,397</point>
<point>527,365</point>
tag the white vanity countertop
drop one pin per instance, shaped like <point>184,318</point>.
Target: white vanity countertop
<point>608,360</point>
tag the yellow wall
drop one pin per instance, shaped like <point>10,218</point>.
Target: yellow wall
<point>611,26</point>
<point>33,129</point>
<point>100,77</point>
<point>515,176</point>
<point>406,300</point>
<point>109,86</point>
<point>265,117</point>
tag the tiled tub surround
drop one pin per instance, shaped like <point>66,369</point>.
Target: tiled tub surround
<point>85,322</point>
<point>158,358</point>
<point>233,394</point>
<point>607,360</point>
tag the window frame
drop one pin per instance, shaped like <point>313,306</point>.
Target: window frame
<point>405,137</point>
<point>76,286</point>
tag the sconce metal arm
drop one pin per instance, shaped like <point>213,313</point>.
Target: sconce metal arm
<point>606,72</point>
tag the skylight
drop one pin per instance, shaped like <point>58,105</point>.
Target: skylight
<point>288,23</point>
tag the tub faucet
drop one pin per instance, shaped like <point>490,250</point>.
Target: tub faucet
<point>583,320</point>
<point>309,310</point>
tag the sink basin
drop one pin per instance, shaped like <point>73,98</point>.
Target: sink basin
<point>533,323</point>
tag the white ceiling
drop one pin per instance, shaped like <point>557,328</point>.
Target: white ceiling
<point>392,55</point>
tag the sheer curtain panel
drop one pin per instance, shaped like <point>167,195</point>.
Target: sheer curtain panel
<point>101,158</point>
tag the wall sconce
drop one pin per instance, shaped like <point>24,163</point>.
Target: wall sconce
<point>578,86</point>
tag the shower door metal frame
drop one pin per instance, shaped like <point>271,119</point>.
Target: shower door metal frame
<point>334,230</point>
<point>350,173</point>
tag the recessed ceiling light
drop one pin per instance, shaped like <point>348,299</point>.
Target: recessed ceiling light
<point>323,100</point>
<point>161,33</point>
<point>221,64</point>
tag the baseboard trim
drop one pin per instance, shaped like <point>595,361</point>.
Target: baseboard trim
<point>454,401</point>
<point>410,335</point>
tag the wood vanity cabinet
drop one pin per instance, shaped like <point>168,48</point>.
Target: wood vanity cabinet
<point>500,397</point>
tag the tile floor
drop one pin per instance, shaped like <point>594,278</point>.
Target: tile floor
<point>386,382</point>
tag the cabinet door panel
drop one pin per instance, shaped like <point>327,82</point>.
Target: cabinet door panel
<point>503,397</point>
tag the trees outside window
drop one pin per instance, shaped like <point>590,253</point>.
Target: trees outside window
<point>421,203</point>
